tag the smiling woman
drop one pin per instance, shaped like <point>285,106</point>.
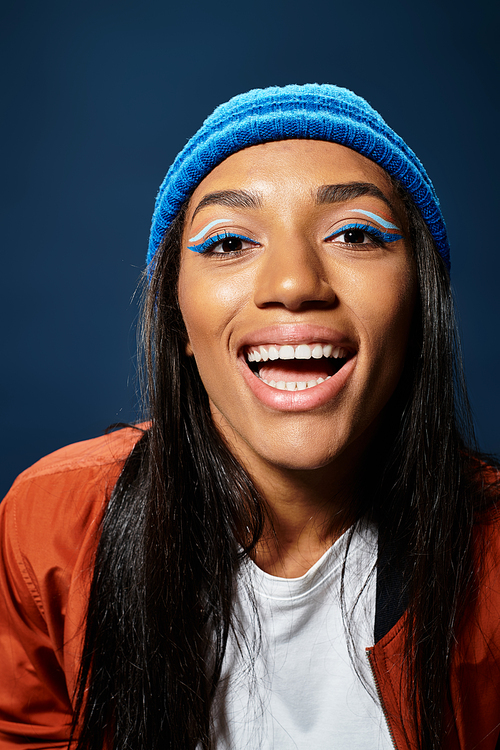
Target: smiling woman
<point>306,276</point>
<point>305,493</point>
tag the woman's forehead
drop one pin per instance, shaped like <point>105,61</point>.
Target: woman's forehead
<point>287,167</point>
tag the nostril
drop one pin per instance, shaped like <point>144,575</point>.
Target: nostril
<point>297,303</point>
<point>294,284</point>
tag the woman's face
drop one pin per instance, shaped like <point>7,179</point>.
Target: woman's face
<point>297,288</point>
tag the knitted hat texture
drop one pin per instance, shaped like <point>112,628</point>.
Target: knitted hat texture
<point>321,112</point>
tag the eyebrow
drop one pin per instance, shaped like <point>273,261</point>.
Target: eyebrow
<point>231,198</point>
<point>323,195</point>
<point>347,191</point>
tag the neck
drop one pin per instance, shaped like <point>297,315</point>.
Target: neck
<point>307,509</point>
<point>306,515</point>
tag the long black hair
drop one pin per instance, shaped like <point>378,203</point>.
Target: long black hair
<point>159,611</point>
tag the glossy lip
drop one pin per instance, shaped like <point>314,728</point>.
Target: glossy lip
<point>308,399</point>
<point>294,334</point>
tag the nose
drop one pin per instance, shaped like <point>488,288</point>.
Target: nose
<point>293,275</point>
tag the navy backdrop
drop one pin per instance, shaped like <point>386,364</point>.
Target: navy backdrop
<point>98,98</point>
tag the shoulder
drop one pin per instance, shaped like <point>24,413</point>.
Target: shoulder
<point>88,468</point>
<point>487,527</point>
<point>87,455</point>
<point>49,525</point>
<point>53,508</point>
<point>483,618</point>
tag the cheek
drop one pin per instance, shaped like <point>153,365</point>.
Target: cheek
<point>208,301</point>
<point>205,309</point>
<point>385,309</point>
<point>394,329</point>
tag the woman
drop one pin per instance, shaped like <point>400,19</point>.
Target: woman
<point>306,494</point>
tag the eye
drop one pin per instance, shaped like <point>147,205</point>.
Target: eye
<point>362,234</point>
<point>224,244</point>
<point>230,244</point>
<point>354,237</point>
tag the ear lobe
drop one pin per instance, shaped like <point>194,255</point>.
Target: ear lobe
<point>189,349</point>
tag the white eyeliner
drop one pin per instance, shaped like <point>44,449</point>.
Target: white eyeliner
<point>381,221</point>
<point>205,229</point>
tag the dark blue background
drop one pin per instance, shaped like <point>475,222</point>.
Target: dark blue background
<point>99,97</point>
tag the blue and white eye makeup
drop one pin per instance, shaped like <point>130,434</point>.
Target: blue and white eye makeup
<point>205,230</point>
<point>218,239</point>
<point>383,222</point>
<point>376,235</point>
<point>373,233</point>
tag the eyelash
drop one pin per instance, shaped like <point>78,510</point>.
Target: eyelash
<point>378,237</point>
<point>208,246</point>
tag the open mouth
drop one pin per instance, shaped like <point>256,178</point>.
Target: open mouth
<point>296,367</point>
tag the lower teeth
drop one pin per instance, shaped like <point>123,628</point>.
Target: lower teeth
<point>281,385</point>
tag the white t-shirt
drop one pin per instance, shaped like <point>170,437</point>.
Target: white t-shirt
<point>289,678</point>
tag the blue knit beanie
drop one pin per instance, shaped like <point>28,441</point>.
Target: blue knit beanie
<point>320,112</point>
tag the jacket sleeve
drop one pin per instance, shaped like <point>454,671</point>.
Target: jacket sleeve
<point>49,526</point>
<point>35,708</point>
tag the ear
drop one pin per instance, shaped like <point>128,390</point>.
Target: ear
<point>189,349</point>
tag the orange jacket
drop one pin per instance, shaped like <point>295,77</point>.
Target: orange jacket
<point>48,527</point>
<point>474,716</point>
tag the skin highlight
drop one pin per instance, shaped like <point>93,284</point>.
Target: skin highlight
<point>297,281</point>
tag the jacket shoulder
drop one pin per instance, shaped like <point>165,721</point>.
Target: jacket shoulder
<point>49,525</point>
<point>56,504</point>
<point>53,504</point>
<point>86,454</point>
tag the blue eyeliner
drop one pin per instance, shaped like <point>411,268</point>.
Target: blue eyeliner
<point>370,230</point>
<point>203,247</point>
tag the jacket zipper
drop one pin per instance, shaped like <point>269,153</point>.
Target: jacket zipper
<point>369,656</point>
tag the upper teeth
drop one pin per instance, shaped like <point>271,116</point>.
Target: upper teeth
<point>302,351</point>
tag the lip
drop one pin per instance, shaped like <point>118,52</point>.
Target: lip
<point>294,334</point>
<point>310,398</point>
